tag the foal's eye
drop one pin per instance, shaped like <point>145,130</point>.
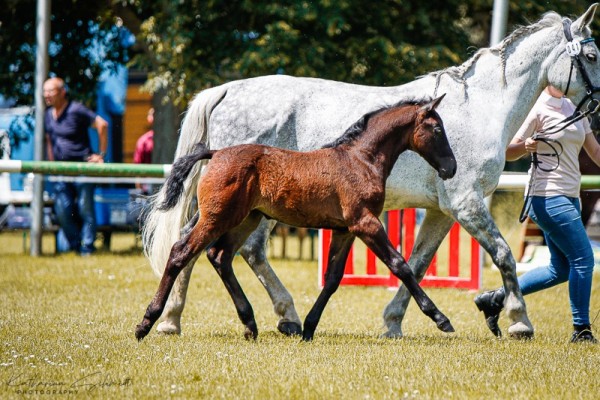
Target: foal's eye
<point>437,130</point>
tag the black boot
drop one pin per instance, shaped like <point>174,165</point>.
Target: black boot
<point>583,334</point>
<point>491,303</point>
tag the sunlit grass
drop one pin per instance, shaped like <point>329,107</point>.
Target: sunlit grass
<point>67,324</point>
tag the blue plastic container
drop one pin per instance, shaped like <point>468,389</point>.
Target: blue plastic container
<point>111,205</point>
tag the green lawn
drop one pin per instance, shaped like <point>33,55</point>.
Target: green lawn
<point>67,325</point>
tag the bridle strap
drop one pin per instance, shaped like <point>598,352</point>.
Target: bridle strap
<point>576,61</point>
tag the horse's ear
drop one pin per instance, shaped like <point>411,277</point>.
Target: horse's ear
<point>586,19</point>
<point>432,104</point>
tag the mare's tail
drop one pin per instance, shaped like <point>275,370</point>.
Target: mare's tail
<point>179,173</point>
<point>162,227</point>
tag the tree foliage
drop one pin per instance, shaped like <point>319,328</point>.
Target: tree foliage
<point>188,45</point>
<point>84,42</point>
<point>195,44</point>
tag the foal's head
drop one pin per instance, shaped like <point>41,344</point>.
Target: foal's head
<point>430,142</point>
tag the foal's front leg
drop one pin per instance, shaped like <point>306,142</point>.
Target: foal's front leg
<point>371,232</point>
<point>338,253</point>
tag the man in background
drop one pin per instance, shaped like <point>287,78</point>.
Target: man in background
<point>66,124</point>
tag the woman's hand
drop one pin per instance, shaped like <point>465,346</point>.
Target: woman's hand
<point>531,145</point>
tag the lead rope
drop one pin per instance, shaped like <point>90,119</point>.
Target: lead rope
<point>535,165</point>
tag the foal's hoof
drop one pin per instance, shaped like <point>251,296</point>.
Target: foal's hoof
<point>306,337</point>
<point>289,328</point>
<point>250,332</point>
<point>519,330</point>
<point>141,332</point>
<point>445,326</point>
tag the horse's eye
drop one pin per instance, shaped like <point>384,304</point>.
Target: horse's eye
<point>591,57</point>
<point>437,130</point>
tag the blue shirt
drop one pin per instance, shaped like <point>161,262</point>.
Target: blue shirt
<point>69,133</point>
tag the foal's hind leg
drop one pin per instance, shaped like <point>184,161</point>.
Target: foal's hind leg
<point>171,316</point>
<point>254,252</point>
<point>182,253</point>
<point>338,253</point>
<point>434,228</point>
<point>220,255</point>
<point>370,231</point>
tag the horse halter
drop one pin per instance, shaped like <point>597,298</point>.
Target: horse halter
<point>573,49</point>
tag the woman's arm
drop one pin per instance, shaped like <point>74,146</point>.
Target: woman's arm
<point>592,148</point>
<point>518,147</point>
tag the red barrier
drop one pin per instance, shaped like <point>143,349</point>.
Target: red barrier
<point>401,227</point>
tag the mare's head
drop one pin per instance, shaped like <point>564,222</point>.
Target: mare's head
<point>577,52</point>
<point>430,142</point>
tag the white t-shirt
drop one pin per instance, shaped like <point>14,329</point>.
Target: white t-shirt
<point>565,180</point>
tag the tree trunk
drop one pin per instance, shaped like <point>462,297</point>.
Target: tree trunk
<point>166,129</point>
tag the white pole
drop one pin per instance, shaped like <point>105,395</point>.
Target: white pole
<point>41,72</point>
<point>499,21</point>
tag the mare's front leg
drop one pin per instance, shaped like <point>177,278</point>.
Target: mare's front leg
<point>220,255</point>
<point>254,252</point>
<point>182,253</point>
<point>474,216</point>
<point>370,230</point>
<point>341,242</point>
<point>432,231</point>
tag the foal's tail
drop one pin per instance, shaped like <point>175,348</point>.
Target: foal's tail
<point>162,225</point>
<point>179,173</point>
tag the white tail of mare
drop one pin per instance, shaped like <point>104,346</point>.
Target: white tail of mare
<point>488,97</point>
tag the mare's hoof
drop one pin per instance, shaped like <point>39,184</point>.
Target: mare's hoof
<point>394,327</point>
<point>169,328</point>
<point>289,328</point>
<point>141,332</point>
<point>519,330</point>
<point>445,326</point>
<point>391,335</point>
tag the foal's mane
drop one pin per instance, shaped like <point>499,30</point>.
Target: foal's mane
<point>458,73</point>
<point>356,129</point>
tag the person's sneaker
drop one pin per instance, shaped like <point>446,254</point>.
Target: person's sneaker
<point>491,303</point>
<point>583,334</point>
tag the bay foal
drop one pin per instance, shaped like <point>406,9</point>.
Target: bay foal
<point>339,187</point>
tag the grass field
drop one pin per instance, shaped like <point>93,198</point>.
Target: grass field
<point>66,329</point>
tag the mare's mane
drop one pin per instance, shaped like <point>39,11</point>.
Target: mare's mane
<point>357,128</point>
<point>457,73</point>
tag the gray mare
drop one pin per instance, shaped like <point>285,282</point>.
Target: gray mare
<point>487,99</point>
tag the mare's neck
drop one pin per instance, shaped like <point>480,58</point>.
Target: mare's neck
<point>505,95</point>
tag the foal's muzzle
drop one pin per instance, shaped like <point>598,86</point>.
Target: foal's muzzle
<point>447,168</point>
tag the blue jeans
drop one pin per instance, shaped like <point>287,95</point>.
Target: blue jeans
<point>74,207</point>
<point>571,256</point>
